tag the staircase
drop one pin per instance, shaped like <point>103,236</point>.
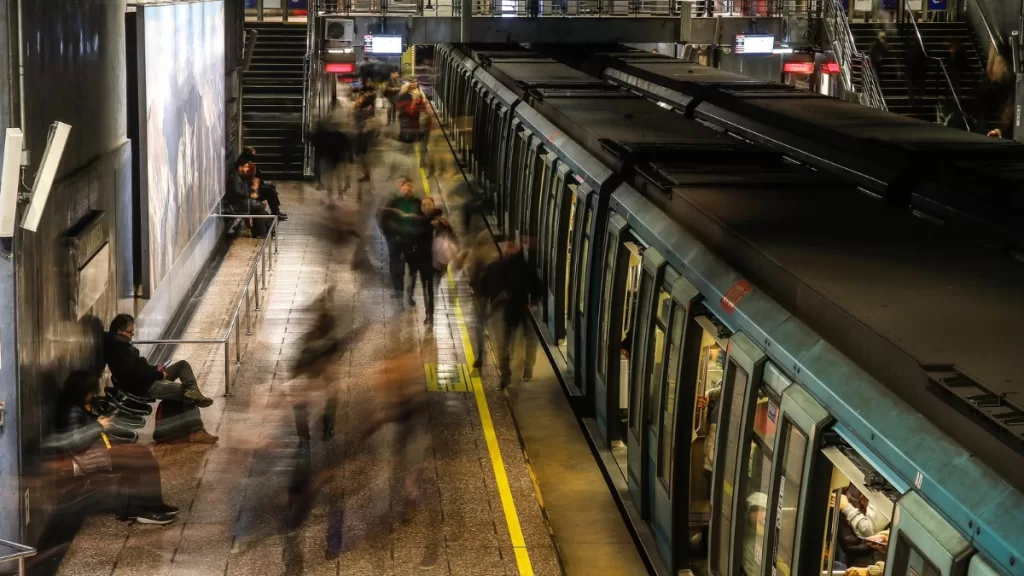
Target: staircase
<point>935,35</point>
<point>272,99</point>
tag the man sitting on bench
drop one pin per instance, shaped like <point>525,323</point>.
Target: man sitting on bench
<point>133,374</point>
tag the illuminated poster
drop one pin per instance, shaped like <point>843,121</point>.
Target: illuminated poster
<point>181,127</point>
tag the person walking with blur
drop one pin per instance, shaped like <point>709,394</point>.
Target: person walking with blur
<point>391,90</point>
<point>512,286</point>
<point>430,225</point>
<point>365,111</point>
<point>400,234</point>
<point>878,52</point>
<point>475,260</point>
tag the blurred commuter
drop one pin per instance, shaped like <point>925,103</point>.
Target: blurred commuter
<point>916,72</point>
<point>878,52</point>
<point>430,225</point>
<point>391,90</point>
<point>365,111</point>
<point>267,191</point>
<point>996,100</point>
<point>512,286</point>
<point>132,373</point>
<point>82,435</point>
<point>956,66</point>
<point>400,234</point>
<point>475,260</point>
<point>320,348</point>
<point>533,7</point>
<point>402,401</point>
<point>753,533</point>
<point>335,156</point>
<point>410,106</point>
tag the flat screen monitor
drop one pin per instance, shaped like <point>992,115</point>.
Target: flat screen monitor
<point>385,44</point>
<point>755,43</point>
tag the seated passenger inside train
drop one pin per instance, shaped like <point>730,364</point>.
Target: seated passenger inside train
<point>861,506</point>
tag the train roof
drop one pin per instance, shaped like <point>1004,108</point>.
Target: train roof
<point>906,300</point>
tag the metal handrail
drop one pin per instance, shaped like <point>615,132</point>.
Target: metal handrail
<point>984,20</point>
<point>845,49</point>
<point>21,552</point>
<point>226,339</point>
<point>942,66</point>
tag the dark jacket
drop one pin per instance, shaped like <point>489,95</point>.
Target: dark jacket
<point>857,553</point>
<point>236,199</point>
<point>397,227</point>
<point>423,231</point>
<point>130,370</point>
<point>77,430</point>
<point>513,282</point>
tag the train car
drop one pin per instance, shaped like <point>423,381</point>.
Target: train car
<point>965,180</point>
<point>773,370</point>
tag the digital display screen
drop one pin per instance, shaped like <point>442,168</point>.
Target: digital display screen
<point>382,44</point>
<point>755,43</point>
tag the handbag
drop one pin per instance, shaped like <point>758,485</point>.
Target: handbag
<point>93,459</point>
<point>445,250</point>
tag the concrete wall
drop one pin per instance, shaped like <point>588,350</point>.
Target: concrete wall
<point>75,72</point>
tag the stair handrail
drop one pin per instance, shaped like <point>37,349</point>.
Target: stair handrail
<point>984,21</point>
<point>845,49</point>
<point>871,85</point>
<point>310,80</point>
<point>912,18</point>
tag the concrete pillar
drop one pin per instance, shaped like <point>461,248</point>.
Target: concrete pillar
<point>464,20</point>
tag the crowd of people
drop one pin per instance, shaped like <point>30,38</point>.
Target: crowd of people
<point>422,248</point>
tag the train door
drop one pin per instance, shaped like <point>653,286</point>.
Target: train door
<point>514,174</point>
<point>796,474</point>
<point>541,228</point>
<point>858,506</point>
<point>706,373</point>
<point>647,345</point>
<point>499,167</point>
<point>922,543</point>
<point>672,318</point>
<point>583,290</point>
<point>573,252</point>
<point>530,193</point>
<point>561,206</point>
<point>615,260</point>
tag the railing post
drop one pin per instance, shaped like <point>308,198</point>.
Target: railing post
<point>238,341</point>
<point>464,20</point>
<point>263,263</point>
<point>256,287</point>
<point>248,313</point>
<point>227,367</point>
<point>259,10</point>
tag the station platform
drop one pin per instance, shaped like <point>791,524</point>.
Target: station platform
<point>511,485</point>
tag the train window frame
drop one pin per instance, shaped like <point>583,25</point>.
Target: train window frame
<point>652,395</point>
<point>645,299</point>
<point>799,410</point>
<point>585,240</point>
<point>610,255</point>
<point>687,299</point>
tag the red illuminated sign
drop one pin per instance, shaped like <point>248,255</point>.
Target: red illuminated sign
<point>737,293</point>
<point>339,68</point>
<point>831,68</point>
<point>798,67</point>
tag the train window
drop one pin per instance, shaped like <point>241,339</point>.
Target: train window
<point>788,495</point>
<point>736,381</point>
<point>646,287</point>
<point>668,401</point>
<point>861,504</point>
<point>655,372</point>
<point>909,561</point>
<point>572,190</point>
<point>585,256</point>
<point>610,248</point>
<point>759,469</point>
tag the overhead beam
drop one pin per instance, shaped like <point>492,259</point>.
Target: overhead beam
<point>441,29</point>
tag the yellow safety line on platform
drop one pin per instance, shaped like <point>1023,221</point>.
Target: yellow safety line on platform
<point>508,505</point>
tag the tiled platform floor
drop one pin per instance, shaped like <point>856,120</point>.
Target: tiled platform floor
<point>233,495</point>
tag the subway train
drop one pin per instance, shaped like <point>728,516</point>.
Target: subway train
<point>780,374</point>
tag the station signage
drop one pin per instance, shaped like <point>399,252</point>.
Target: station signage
<point>754,43</point>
